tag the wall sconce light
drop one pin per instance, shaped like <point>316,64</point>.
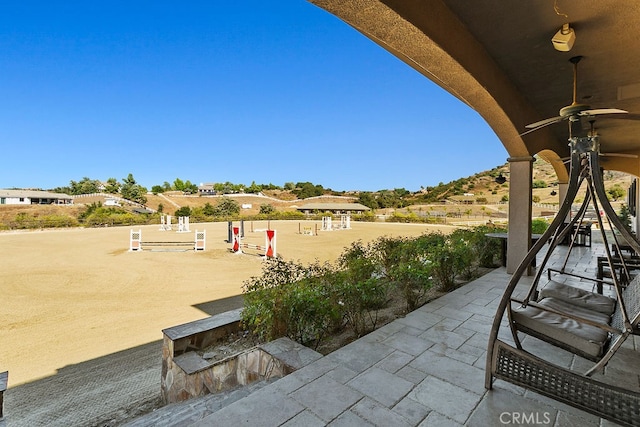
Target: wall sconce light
<point>501,179</point>
<point>553,192</point>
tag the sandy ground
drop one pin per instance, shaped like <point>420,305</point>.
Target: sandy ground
<point>70,296</point>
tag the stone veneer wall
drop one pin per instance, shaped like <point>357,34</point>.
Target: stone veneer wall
<point>4,377</point>
<point>185,374</point>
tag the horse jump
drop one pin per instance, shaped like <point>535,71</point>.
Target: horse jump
<point>345,223</point>
<point>165,223</point>
<point>183,223</point>
<point>137,244</point>
<point>269,248</point>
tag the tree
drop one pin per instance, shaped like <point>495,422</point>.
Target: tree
<point>178,184</point>
<point>183,211</point>
<point>254,188</point>
<point>131,190</point>
<point>625,216</point>
<point>616,192</point>
<point>227,207</point>
<point>208,209</point>
<point>306,189</point>
<point>84,186</point>
<point>113,186</point>
<point>267,209</point>
<point>189,187</point>
<point>367,199</point>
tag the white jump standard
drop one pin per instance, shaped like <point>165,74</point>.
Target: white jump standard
<point>137,244</point>
<point>345,223</point>
<point>183,224</point>
<point>165,223</point>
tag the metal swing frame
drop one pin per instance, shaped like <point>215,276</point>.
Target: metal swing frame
<point>514,364</point>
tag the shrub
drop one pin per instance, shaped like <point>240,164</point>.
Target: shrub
<point>446,258</point>
<point>412,275</point>
<point>359,290</point>
<point>486,249</point>
<point>266,209</point>
<point>462,243</point>
<point>291,300</point>
<point>539,226</point>
<point>404,265</point>
<point>311,312</point>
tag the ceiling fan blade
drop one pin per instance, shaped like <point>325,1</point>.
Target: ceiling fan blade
<point>597,111</point>
<point>625,155</point>
<point>539,125</point>
<point>544,122</point>
<point>629,116</point>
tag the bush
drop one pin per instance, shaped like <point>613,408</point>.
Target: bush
<point>486,249</point>
<point>291,300</point>
<point>539,226</point>
<point>311,313</point>
<point>462,243</point>
<point>358,288</point>
<point>24,220</point>
<point>440,254</point>
<point>306,303</point>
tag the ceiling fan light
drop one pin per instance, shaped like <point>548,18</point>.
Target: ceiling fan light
<point>564,39</point>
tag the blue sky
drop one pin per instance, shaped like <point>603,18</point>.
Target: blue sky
<point>213,91</point>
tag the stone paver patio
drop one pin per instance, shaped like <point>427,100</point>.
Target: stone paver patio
<point>426,369</point>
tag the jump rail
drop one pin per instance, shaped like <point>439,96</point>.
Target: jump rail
<point>137,244</point>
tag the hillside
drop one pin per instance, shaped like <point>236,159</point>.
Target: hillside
<point>477,196</point>
<point>465,190</point>
<point>483,185</point>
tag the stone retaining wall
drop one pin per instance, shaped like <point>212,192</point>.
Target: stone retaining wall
<point>185,374</point>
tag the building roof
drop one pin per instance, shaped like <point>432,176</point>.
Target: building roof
<point>333,207</point>
<point>34,194</point>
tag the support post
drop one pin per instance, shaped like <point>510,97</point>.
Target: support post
<point>520,200</point>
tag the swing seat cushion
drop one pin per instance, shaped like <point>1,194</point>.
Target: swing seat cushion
<point>579,297</point>
<point>577,337</point>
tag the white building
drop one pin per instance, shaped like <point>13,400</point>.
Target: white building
<point>33,197</point>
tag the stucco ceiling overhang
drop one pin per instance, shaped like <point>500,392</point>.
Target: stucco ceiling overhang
<point>497,57</point>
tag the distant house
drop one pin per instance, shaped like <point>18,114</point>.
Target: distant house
<point>33,197</point>
<point>206,190</point>
<point>334,208</point>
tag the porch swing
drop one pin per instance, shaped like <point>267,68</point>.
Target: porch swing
<point>585,323</point>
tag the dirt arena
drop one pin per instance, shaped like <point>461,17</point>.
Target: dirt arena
<point>69,296</point>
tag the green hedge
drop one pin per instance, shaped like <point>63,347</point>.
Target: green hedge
<point>308,302</point>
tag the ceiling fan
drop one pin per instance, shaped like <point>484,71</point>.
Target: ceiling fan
<point>575,111</point>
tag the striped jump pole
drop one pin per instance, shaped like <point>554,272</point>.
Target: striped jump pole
<point>236,240</point>
<point>270,243</point>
